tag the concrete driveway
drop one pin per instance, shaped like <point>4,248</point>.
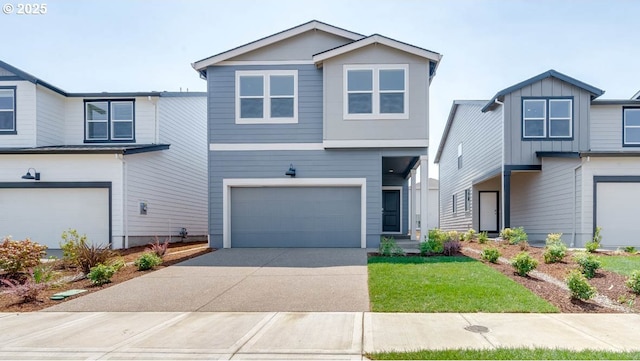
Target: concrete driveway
<point>243,280</point>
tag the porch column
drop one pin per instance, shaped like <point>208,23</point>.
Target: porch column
<point>506,199</point>
<point>412,207</point>
<point>424,195</point>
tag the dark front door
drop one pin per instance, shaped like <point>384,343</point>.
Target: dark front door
<point>391,211</point>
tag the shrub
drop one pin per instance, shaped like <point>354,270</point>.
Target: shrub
<point>633,281</point>
<point>490,255</point>
<point>147,261</point>
<point>70,245</point>
<point>160,249</point>
<point>388,247</point>
<point>514,235</point>
<point>588,264</point>
<point>44,273</point>
<point>434,243</point>
<point>483,237</point>
<point>18,256</point>
<point>89,256</point>
<point>595,243</point>
<point>453,236</point>
<point>101,274</point>
<point>524,246</point>
<point>630,249</point>
<point>30,289</point>
<point>524,263</point>
<point>555,249</point>
<point>469,235</point>
<point>579,286</point>
<point>450,248</point>
<point>438,235</point>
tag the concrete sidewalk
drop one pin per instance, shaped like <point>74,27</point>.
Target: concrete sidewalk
<point>289,335</point>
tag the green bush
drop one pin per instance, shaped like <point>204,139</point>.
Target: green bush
<point>589,264</point>
<point>633,281</point>
<point>388,247</point>
<point>434,243</point>
<point>453,236</point>
<point>630,249</point>
<point>101,274</point>
<point>438,235</point>
<point>483,237</point>
<point>18,256</point>
<point>524,263</point>
<point>469,235</point>
<point>595,243</point>
<point>579,286</point>
<point>147,261</point>
<point>490,255</point>
<point>555,249</point>
<point>514,235</point>
<point>71,242</point>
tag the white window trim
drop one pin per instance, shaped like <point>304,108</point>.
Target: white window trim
<point>399,189</point>
<point>625,126</point>
<point>569,119</point>
<point>87,121</point>
<point>467,200</point>
<point>266,104</point>
<point>112,121</point>
<point>12,110</point>
<point>454,204</point>
<point>543,118</point>
<point>375,109</point>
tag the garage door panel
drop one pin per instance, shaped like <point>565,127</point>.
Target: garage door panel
<point>42,214</point>
<point>295,217</point>
<point>617,213</point>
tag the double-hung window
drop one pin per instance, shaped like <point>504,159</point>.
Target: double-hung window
<point>7,110</point>
<point>266,96</point>
<point>467,200</point>
<point>109,121</point>
<point>631,127</point>
<point>376,91</point>
<point>544,118</point>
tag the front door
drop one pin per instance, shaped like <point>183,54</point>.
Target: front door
<point>488,211</point>
<point>391,211</point>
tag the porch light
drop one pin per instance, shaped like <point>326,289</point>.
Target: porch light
<point>291,172</point>
<point>35,176</point>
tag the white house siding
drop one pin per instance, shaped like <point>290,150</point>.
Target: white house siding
<point>543,202</point>
<point>50,110</point>
<point>433,207</point>
<point>606,127</point>
<point>479,134</point>
<point>25,116</point>
<point>172,182</point>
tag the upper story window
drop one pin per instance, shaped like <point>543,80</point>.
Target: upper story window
<point>266,96</point>
<point>109,121</point>
<point>376,91</point>
<point>7,110</point>
<point>631,125</point>
<point>460,156</point>
<point>544,118</point>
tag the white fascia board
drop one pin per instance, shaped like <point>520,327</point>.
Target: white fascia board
<point>387,143</point>
<point>380,40</point>
<point>204,63</point>
<point>636,96</point>
<point>264,146</point>
<point>264,62</point>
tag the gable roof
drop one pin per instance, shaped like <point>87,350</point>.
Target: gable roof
<point>22,75</point>
<point>636,96</point>
<point>447,127</point>
<point>201,65</point>
<point>595,92</point>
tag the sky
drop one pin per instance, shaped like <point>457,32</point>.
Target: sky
<point>113,45</point>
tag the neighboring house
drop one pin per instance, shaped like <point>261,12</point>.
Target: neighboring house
<point>313,133</point>
<point>543,154</point>
<point>119,167</point>
<point>433,207</point>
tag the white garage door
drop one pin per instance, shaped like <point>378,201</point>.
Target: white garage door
<point>42,214</point>
<point>617,213</point>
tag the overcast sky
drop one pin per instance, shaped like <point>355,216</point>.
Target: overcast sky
<point>113,45</point>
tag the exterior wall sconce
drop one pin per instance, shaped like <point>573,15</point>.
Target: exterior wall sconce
<point>35,176</point>
<point>291,172</point>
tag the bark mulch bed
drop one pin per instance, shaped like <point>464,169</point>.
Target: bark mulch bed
<point>176,253</point>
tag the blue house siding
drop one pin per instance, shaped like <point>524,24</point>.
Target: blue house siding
<point>221,108</point>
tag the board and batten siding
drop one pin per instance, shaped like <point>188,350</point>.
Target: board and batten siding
<point>519,151</point>
<point>479,134</point>
<point>308,164</point>
<point>5,72</point>
<point>606,128</point>
<point>416,127</point>
<point>172,182</point>
<point>25,116</point>
<point>51,115</point>
<point>222,105</point>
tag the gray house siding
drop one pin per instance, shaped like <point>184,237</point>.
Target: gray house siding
<point>479,134</point>
<point>221,108</point>
<point>606,128</point>
<point>519,151</point>
<point>5,72</point>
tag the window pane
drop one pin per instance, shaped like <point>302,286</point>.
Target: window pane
<point>97,130</point>
<point>534,128</point>
<point>251,86</point>
<point>632,117</point>
<point>360,103</point>
<point>251,108</point>
<point>632,135</point>
<point>122,111</point>
<point>122,130</point>
<point>392,79</point>
<point>6,99</point>
<point>534,108</point>
<point>282,107</point>
<point>281,85</point>
<point>6,121</point>
<point>392,103</point>
<point>559,128</point>
<point>360,80</point>
<point>559,108</point>
<point>97,111</point>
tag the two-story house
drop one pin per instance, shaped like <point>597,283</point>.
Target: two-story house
<point>313,133</point>
<point>546,155</point>
<point>119,167</point>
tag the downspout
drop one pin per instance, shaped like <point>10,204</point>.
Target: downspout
<point>502,202</point>
<point>575,207</point>
<point>156,130</point>
<point>124,223</point>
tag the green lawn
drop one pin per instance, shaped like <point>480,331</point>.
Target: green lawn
<point>623,265</point>
<point>446,284</point>
<point>506,354</point>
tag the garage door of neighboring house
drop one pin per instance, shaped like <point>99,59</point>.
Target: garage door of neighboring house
<point>616,210</point>
<point>43,213</point>
<point>301,216</point>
